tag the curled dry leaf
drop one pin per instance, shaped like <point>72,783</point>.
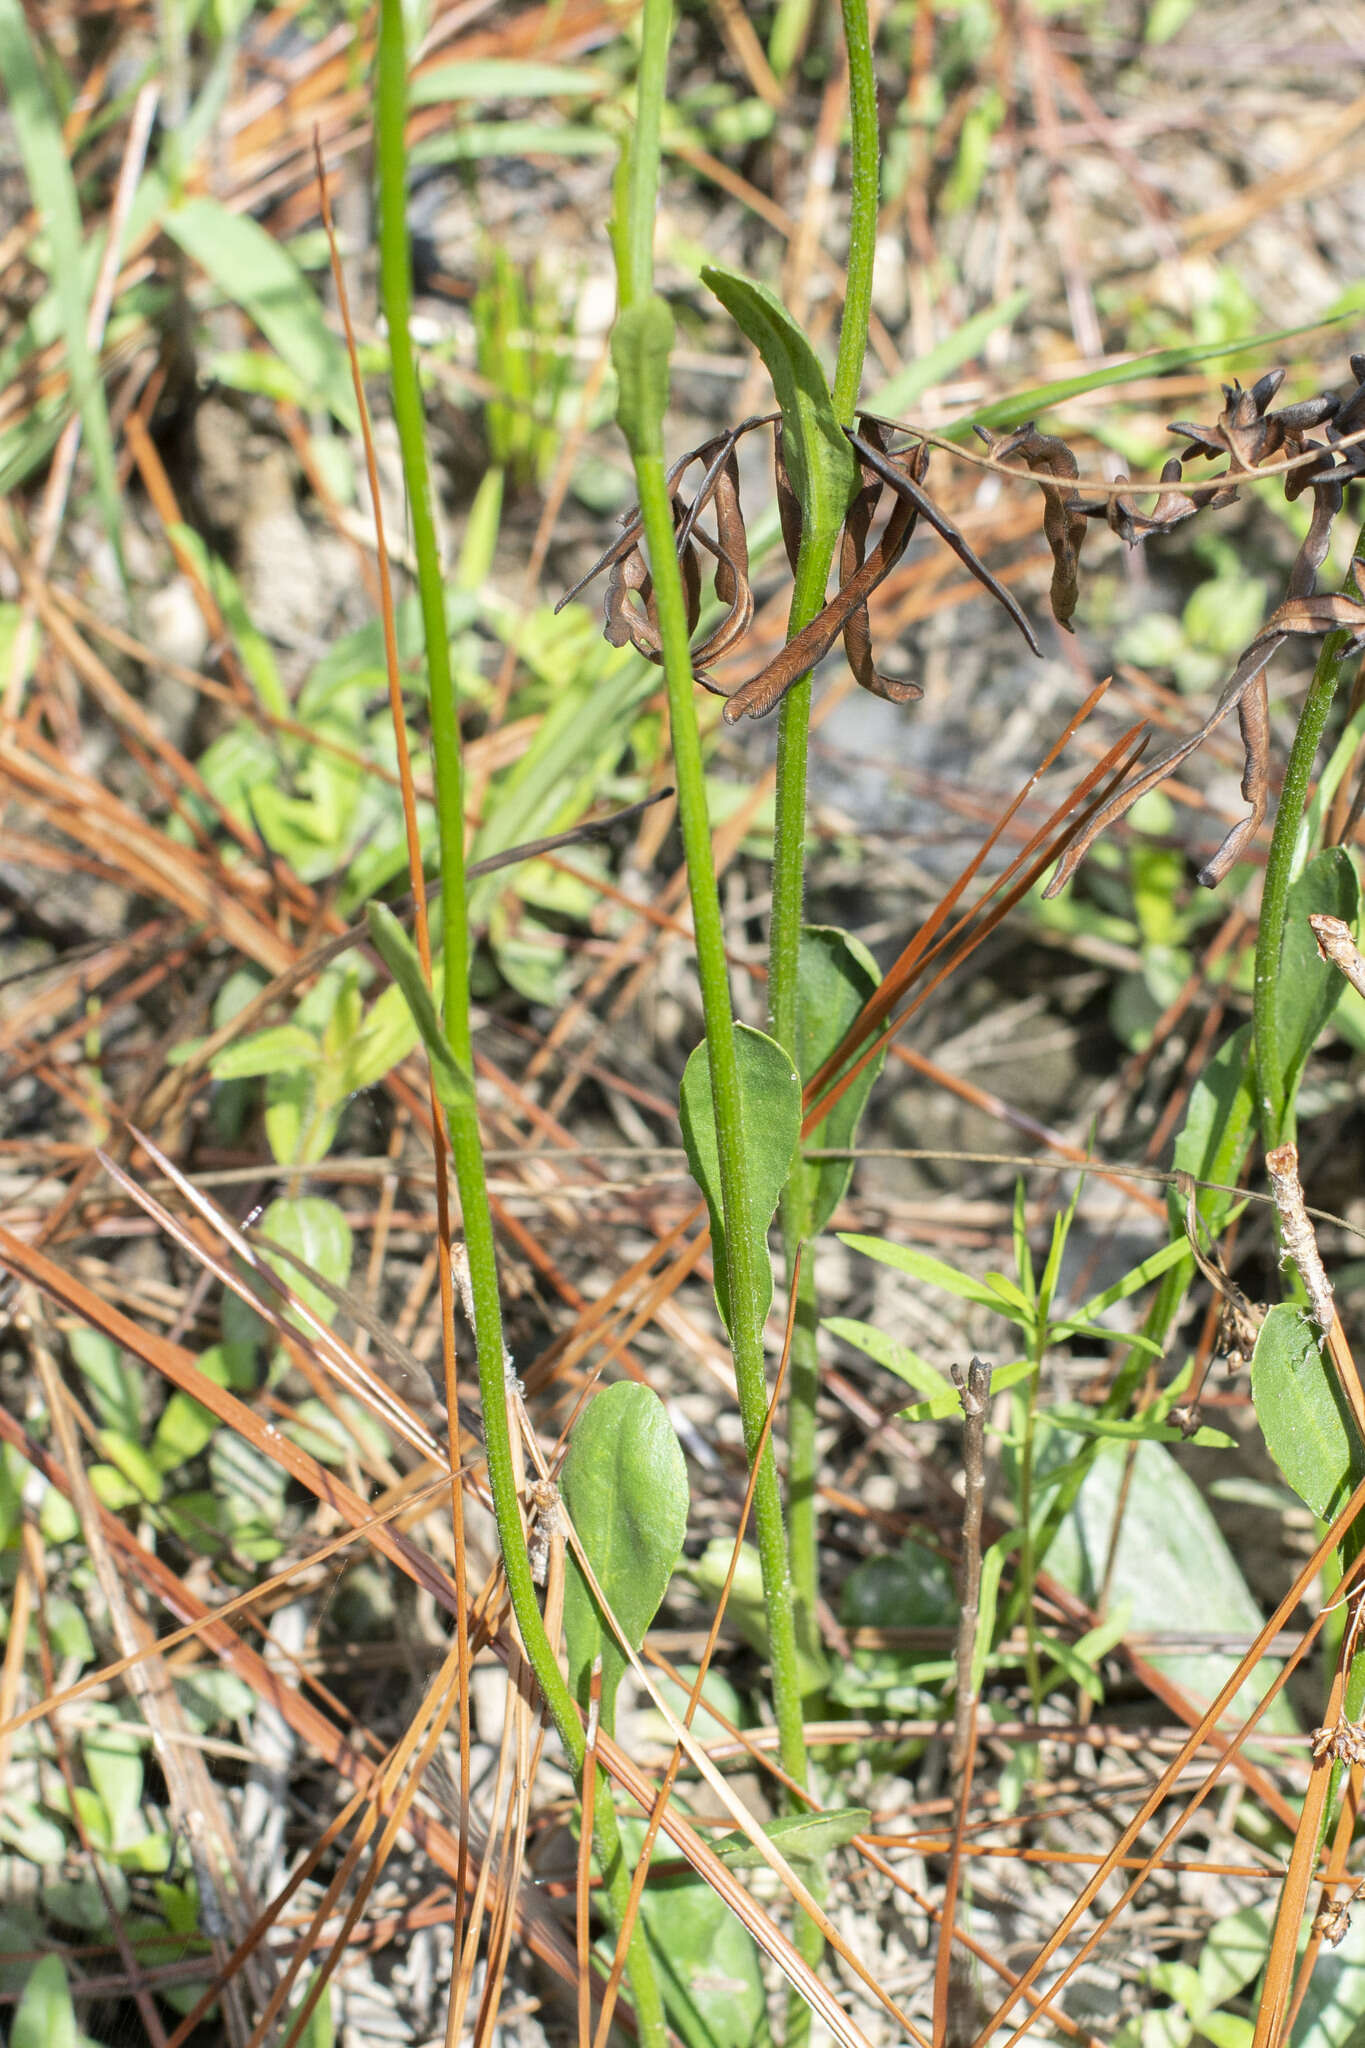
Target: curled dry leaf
<point>631,610</point>
<point>846,611</point>
<point>1063,517</point>
<point>1248,434</point>
<point>1245,691</point>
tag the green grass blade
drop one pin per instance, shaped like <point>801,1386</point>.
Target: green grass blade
<point>1009,412</point>
<point>504,78</point>
<point>264,280</point>
<point>909,385</point>
<point>38,131</point>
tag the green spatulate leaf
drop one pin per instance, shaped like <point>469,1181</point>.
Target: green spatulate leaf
<point>770,1093</point>
<point>624,1483</point>
<point>1310,987</point>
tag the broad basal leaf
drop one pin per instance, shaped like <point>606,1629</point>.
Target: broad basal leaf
<point>1309,987</point>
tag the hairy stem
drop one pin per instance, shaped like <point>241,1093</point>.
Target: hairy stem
<point>789,851</point>
<point>747,1294</point>
<point>465,1138</point>
<point>789,845</point>
<point>1276,1111</point>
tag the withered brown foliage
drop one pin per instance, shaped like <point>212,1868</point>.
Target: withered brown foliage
<point>1312,444</point>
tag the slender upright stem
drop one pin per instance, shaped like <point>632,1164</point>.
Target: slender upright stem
<point>864,194</point>
<point>748,1292</point>
<point>789,845</point>
<point>1276,1111</point>
<point>465,1138</point>
<point>789,854</point>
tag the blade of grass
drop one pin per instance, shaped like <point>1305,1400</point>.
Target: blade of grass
<point>1022,405</point>
<point>42,146</point>
<point>250,268</point>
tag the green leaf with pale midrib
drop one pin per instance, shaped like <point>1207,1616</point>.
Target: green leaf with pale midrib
<point>251,268</point>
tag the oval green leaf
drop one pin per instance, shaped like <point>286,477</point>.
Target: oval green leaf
<point>306,1235</point>
<point>1304,1419</point>
<point>1169,1562</point>
<point>624,1483</point>
<point>835,976</point>
<point>46,2017</point>
<point>770,1102</point>
<point>708,1964</point>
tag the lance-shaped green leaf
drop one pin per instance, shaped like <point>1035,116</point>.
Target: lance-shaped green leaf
<point>624,1483</point>
<point>1310,986</point>
<point>770,1117</point>
<point>46,2016</point>
<point>641,342</point>
<point>453,1085</point>
<point>835,977</point>
<point>820,462</point>
<point>1308,1429</point>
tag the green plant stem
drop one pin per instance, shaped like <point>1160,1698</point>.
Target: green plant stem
<point>1275,1110</point>
<point>465,1138</point>
<point>864,195</point>
<point>634,243</point>
<point>789,844</point>
<point>789,853</point>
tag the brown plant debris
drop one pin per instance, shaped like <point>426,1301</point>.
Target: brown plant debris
<point>1312,445</point>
